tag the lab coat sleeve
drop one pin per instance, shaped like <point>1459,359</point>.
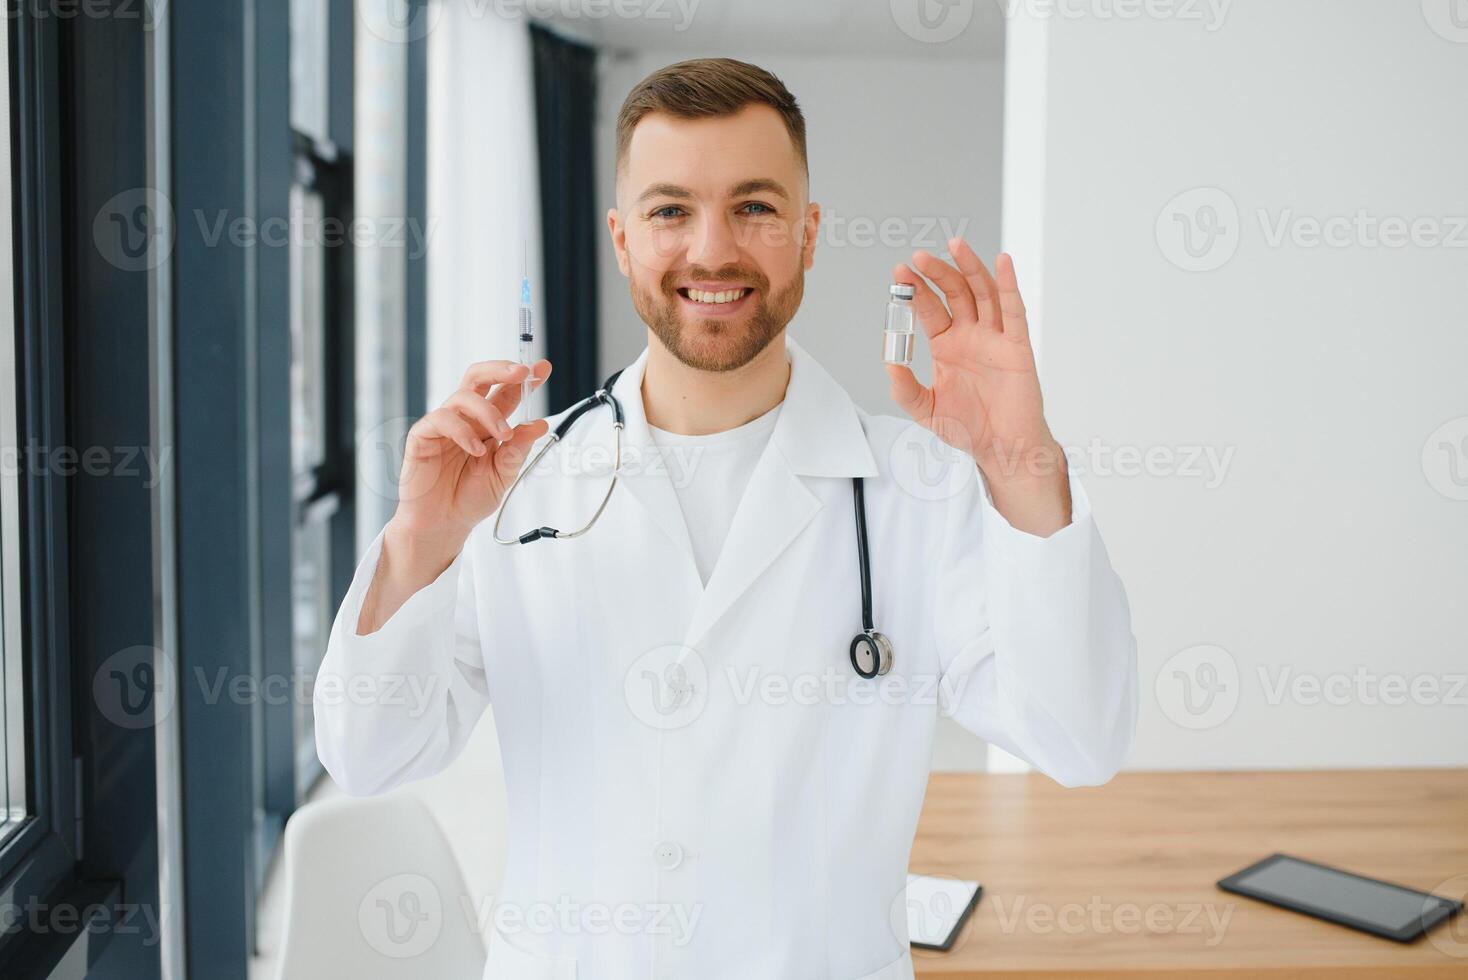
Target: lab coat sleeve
<point>400,704</point>
<point>1036,640</point>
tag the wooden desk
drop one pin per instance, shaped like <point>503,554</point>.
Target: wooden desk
<point>1118,880</point>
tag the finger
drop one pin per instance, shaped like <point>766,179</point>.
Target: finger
<point>932,314</point>
<point>976,273</point>
<point>951,281</point>
<point>445,423</point>
<point>487,420</point>
<point>1011,304</point>
<point>909,393</point>
<point>507,396</point>
<point>482,374</point>
<point>510,456</point>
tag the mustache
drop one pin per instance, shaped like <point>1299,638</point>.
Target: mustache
<point>739,274</point>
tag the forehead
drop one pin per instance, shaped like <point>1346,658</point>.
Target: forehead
<point>710,154</point>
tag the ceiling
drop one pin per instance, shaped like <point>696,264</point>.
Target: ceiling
<point>871,28</point>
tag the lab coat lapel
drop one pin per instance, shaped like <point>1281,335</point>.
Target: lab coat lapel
<point>643,474</point>
<point>817,434</point>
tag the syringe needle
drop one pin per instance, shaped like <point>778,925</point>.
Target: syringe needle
<point>527,335</point>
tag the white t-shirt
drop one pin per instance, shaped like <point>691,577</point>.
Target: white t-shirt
<point>709,474</point>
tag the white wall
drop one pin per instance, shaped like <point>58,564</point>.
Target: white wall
<point>1332,542</point>
<point>883,148</point>
<point>483,192</point>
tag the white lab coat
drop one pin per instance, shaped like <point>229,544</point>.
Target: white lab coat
<point>706,756</point>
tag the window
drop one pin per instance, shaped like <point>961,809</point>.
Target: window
<point>321,371</point>
<point>315,502</point>
<point>13,749</point>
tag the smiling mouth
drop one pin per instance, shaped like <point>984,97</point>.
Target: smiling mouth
<point>715,298</point>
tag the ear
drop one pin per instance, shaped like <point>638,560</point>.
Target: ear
<point>619,238</point>
<point>812,227</point>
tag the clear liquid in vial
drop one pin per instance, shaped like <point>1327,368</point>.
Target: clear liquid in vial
<point>897,336</point>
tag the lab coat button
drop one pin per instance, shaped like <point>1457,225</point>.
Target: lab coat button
<point>668,854</point>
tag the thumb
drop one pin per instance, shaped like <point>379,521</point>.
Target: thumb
<point>908,392</point>
<point>512,453</point>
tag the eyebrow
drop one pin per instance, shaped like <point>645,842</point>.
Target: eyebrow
<point>757,185</point>
<point>753,186</point>
<point>665,190</point>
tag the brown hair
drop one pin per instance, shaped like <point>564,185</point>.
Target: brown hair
<point>707,87</point>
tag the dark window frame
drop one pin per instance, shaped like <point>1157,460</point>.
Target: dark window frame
<point>327,492</point>
<point>41,855</point>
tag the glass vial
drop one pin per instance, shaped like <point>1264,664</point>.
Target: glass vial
<point>897,341</point>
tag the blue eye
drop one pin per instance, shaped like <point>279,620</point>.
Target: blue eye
<point>766,209</point>
<point>667,211</point>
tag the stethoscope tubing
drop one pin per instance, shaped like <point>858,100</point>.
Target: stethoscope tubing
<point>877,645</point>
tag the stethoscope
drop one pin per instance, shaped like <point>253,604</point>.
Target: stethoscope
<point>870,651</point>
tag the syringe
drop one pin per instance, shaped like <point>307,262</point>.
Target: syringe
<point>527,338</point>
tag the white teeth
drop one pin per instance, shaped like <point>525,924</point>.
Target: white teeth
<point>724,296</point>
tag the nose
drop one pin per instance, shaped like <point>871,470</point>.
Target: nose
<point>714,245</point>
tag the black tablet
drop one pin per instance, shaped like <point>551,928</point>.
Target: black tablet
<point>1377,907</point>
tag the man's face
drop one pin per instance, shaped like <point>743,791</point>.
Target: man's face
<point>714,233</point>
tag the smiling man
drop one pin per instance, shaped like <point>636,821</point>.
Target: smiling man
<point>694,748</point>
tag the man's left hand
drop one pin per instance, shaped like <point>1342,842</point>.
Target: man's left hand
<point>985,397</point>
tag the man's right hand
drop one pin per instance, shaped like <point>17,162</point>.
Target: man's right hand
<point>461,457</point>
<point>458,462</point>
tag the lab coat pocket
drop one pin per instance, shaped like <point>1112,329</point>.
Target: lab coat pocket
<point>899,969</point>
<point>508,961</point>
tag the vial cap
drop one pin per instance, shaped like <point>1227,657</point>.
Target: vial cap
<point>902,290</point>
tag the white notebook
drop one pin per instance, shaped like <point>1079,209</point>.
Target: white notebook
<point>937,908</point>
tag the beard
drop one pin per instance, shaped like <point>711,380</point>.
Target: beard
<point>716,344</point>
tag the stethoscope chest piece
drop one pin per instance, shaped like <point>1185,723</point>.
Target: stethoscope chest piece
<point>871,654</point>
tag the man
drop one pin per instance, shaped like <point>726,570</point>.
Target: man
<point>687,751</point>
